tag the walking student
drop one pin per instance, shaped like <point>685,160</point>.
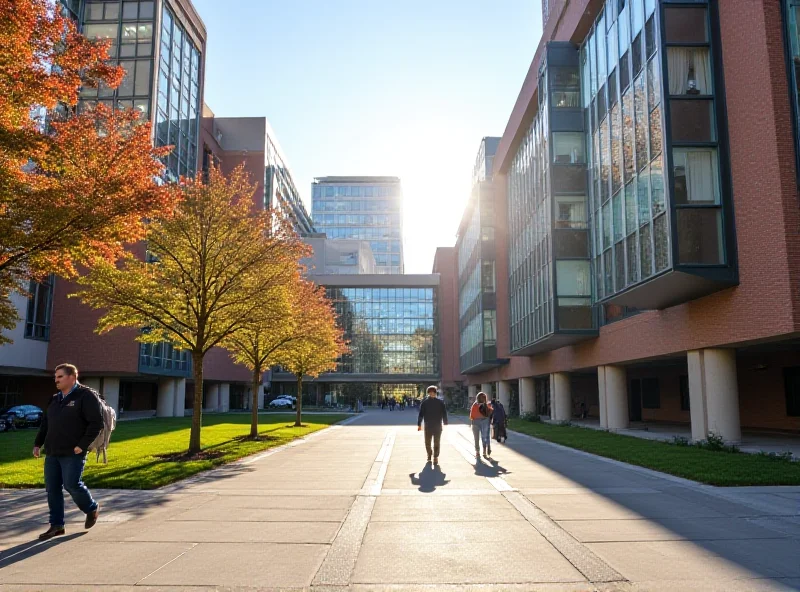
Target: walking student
<point>479,415</point>
<point>499,420</point>
<point>434,413</point>
<point>70,424</point>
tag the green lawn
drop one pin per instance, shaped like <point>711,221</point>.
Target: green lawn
<point>714,468</point>
<point>134,455</point>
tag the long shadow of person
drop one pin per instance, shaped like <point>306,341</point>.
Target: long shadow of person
<point>489,468</point>
<point>429,478</point>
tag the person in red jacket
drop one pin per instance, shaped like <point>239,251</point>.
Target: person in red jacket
<point>70,424</point>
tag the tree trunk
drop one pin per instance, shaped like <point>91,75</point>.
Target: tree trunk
<point>197,406</point>
<point>299,413</point>
<point>254,411</point>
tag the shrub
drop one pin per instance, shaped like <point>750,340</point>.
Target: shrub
<point>715,443</point>
<point>532,417</point>
<point>680,441</point>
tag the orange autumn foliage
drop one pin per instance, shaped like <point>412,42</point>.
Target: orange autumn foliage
<point>74,188</point>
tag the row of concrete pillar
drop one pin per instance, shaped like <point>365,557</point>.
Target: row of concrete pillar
<point>713,394</point>
<point>172,395</point>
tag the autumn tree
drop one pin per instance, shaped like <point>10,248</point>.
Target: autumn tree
<point>73,187</point>
<point>207,266</point>
<point>318,344</point>
<point>270,328</point>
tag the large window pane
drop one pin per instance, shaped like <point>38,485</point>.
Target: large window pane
<point>643,196</point>
<point>101,32</point>
<point>573,278</point>
<point>568,148</point>
<point>616,149</point>
<point>645,252</point>
<point>689,71</point>
<point>700,235</point>
<point>655,131</point>
<point>692,120</point>
<point>686,24</point>
<point>630,208</point>
<point>616,206</point>
<point>696,176</point>
<point>661,240</point>
<point>631,246</point>
<point>628,134</point>
<point>642,122</point>
<point>619,265</point>
<point>657,186</point>
<point>571,211</point>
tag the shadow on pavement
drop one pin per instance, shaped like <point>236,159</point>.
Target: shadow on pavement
<point>30,549</point>
<point>492,469</point>
<point>429,478</point>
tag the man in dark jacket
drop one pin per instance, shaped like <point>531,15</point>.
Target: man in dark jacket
<point>434,412</point>
<point>70,424</point>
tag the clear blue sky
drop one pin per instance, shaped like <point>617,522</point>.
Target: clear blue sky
<point>376,87</point>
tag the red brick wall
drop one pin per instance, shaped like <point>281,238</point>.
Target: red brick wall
<point>445,263</point>
<point>218,365</point>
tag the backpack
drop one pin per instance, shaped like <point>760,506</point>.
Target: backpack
<point>100,443</point>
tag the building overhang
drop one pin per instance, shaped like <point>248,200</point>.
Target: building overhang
<point>555,341</point>
<point>485,365</point>
<point>675,286</point>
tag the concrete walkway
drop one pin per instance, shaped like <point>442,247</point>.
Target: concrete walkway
<point>355,507</point>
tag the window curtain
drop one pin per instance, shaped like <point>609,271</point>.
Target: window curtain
<point>700,175</point>
<point>681,60</point>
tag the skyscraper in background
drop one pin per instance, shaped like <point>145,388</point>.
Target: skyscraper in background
<point>363,208</point>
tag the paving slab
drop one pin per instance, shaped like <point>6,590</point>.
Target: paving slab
<point>88,562</point>
<point>665,529</point>
<point>261,515</point>
<point>239,532</point>
<point>253,566</point>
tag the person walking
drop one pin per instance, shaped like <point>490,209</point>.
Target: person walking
<point>70,424</point>
<point>479,415</point>
<point>499,420</point>
<point>434,413</point>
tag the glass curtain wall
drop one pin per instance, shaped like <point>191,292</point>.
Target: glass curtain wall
<point>389,330</point>
<point>623,110</point>
<point>530,295</point>
<point>178,106</point>
<point>365,212</point>
<point>129,27</point>
<point>792,18</point>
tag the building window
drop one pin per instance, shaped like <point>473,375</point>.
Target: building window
<point>651,394</point>
<point>40,308</point>
<point>10,391</point>
<point>791,378</point>
<point>792,19</point>
<point>684,388</point>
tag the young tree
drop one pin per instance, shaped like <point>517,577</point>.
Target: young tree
<point>206,268</point>
<point>319,340</point>
<point>255,344</point>
<point>73,188</point>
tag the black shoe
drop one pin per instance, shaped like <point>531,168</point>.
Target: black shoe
<point>53,531</point>
<point>436,461</point>
<point>429,459</point>
<point>91,518</point>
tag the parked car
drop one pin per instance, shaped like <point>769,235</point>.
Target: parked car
<point>290,397</point>
<point>281,402</point>
<point>4,425</point>
<point>21,416</point>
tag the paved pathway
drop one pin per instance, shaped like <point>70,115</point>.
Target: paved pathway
<point>355,507</point>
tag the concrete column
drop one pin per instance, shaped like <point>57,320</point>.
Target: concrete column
<point>714,394</point>
<point>486,387</point>
<point>180,397</point>
<point>527,396</point>
<point>212,397</point>
<point>166,398</point>
<point>260,396</point>
<point>560,396</point>
<point>612,387</point>
<point>504,394</point>
<point>248,397</point>
<point>110,390</point>
<point>224,398</point>
<point>472,392</point>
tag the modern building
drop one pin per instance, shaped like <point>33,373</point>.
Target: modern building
<point>363,208</point>
<point>339,257</point>
<point>645,193</point>
<point>229,142</point>
<point>477,281</point>
<point>161,45</point>
<point>391,325</point>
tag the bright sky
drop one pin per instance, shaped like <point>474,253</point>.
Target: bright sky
<point>376,87</point>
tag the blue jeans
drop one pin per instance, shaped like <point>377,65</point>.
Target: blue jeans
<point>480,428</point>
<point>66,472</point>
